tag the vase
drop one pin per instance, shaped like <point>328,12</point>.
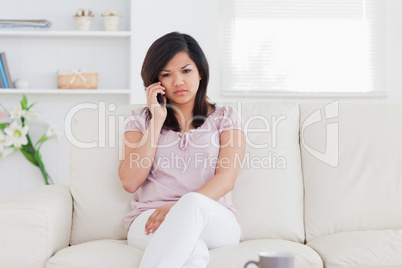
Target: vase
<point>83,23</point>
<point>111,23</point>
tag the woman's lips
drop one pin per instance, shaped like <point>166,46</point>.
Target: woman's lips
<point>180,92</point>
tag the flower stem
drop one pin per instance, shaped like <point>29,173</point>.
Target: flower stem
<point>33,156</point>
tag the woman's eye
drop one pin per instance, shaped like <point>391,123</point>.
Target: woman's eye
<point>166,75</point>
<point>186,70</point>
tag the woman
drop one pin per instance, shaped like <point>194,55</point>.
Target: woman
<point>181,160</point>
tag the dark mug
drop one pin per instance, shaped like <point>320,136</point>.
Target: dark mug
<point>274,259</point>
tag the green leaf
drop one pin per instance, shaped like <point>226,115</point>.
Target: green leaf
<point>29,147</point>
<point>38,158</point>
<point>3,125</point>
<point>41,140</point>
<point>30,106</point>
<point>41,166</point>
<point>24,102</point>
<point>29,152</point>
<point>30,157</point>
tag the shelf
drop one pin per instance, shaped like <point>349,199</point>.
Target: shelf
<point>51,33</point>
<point>4,91</point>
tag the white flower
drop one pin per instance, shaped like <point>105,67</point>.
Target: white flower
<point>16,135</point>
<point>52,130</point>
<point>17,112</point>
<point>28,115</point>
<point>110,12</point>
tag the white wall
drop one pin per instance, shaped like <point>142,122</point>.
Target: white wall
<point>150,20</point>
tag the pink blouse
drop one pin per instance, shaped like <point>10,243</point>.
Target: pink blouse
<point>181,164</point>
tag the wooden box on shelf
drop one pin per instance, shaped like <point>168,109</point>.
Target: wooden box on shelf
<point>77,79</point>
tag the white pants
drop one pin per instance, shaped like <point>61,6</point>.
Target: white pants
<point>193,225</point>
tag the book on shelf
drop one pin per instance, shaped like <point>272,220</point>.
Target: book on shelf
<point>5,72</point>
<point>1,82</point>
<point>25,24</point>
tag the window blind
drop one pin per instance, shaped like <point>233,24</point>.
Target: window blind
<point>303,46</point>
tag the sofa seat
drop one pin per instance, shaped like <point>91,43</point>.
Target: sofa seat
<point>97,254</point>
<point>232,256</point>
<point>374,248</point>
<point>116,253</point>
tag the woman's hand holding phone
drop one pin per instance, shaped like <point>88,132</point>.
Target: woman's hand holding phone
<point>157,109</point>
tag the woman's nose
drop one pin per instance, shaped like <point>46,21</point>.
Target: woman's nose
<point>178,80</point>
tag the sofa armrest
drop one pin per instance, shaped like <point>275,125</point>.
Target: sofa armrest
<point>34,225</point>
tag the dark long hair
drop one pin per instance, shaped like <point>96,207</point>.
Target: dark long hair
<point>158,56</point>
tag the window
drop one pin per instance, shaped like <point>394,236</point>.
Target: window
<point>298,47</point>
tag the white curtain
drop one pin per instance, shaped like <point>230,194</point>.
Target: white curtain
<point>303,47</point>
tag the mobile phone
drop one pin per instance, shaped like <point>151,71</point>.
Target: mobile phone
<point>159,97</point>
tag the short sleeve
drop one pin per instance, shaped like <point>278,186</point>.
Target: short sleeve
<point>230,119</point>
<point>137,120</point>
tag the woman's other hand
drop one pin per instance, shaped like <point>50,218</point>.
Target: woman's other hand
<point>158,111</point>
<point>156,218</point>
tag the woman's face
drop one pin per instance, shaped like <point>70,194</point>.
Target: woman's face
<point>181,79</point>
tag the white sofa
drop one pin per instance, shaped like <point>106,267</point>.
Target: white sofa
<point>326,187</point>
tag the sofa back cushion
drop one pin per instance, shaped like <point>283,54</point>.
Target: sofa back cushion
<point>352,172</point>
<point>269,188</point>
<point>268,193</point>
<point>100,201</point>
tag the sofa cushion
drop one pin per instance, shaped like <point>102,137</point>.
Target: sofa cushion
<point>116,253</point>
<point>97,254</point>
<point>100,202</point>
<point>269,189</point>
<point>351,166</point>
<point>373,248</point>
<point>34,225</point>
<point>237,256</point>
